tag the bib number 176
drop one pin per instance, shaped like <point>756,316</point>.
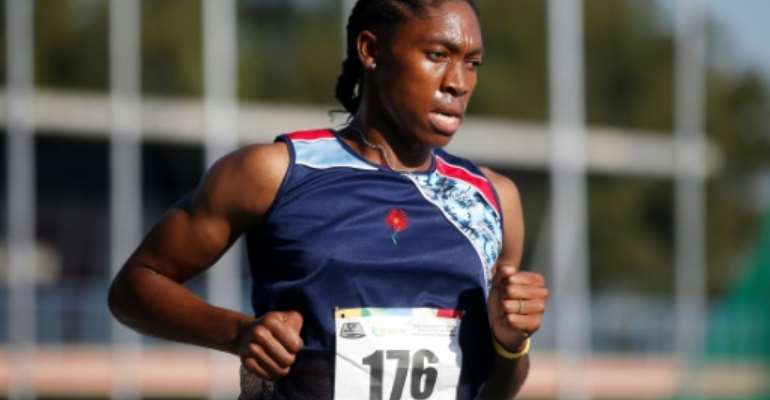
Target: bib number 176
<point>422,377</point>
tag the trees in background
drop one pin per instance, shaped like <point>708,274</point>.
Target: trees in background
<point>290,53</point>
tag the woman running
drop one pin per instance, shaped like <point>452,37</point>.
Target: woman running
<point>382,266</point>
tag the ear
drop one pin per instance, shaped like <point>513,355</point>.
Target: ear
<point>366,44</point>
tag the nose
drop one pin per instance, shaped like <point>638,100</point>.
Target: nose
<point>456,82</point>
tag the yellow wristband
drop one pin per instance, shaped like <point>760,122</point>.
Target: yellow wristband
<point>502,352</point>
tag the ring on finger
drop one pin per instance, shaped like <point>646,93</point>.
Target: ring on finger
<point>521,306</point>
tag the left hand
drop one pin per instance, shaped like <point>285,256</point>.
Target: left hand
<point>516,305</point>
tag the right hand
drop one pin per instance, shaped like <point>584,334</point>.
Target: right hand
<point>269,345</point>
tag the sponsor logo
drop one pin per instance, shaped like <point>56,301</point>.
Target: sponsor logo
<point>352,330</point>
<point>388,331</point>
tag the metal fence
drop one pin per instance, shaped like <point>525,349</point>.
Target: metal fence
<point>578,325</point>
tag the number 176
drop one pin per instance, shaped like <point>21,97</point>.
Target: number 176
<point>418,370</point>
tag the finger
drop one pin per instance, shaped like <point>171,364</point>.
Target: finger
<point>273,370</point>
<point>264,337</point>
<point>251,364</point>
<point>503,272</point>
<point>293,319</point>
<point>527,306</point>
<point>286,327</point>
<point>513,292</point>
<point>524,323</point>
<point>527,278</point>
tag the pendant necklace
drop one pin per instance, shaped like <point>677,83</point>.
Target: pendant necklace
<point>383,152</point>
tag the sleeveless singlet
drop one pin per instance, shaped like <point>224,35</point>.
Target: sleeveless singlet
<point>343,232</point>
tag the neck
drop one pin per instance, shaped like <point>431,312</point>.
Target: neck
<point>381,142</point>
<point>381,146</point>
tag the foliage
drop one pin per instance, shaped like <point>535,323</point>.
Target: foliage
<point>513,79</point>
<point>298,64</point>
<point>291,53</point>
<point>71,44</point>
<point>2,45</point>
<point>172,47</point>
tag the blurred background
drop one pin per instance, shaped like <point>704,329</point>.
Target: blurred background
<point>638,132</point>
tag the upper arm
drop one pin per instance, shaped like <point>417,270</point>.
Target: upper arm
<point>234,193</point>
<point>513,218</point>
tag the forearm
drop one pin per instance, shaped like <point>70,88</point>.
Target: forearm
<point>153,304</point>
<point>506,379</point>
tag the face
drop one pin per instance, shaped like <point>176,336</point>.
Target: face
<point>427,71</point>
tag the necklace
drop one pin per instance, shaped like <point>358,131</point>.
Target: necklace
<point>383,152</point>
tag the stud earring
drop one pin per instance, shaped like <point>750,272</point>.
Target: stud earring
<point>372,66</point>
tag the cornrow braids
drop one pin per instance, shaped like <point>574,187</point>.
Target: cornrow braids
<point>380,15</point>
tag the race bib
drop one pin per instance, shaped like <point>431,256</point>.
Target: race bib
<point>397,353</point>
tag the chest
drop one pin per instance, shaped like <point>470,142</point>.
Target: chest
<point>369,223</point>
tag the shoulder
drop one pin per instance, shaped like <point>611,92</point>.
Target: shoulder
<point>265,164</point>
<point>465,170</point>
<point>506,189</point>
<point>509,205</point>
<point>245,181</point>
<point>513,216</point>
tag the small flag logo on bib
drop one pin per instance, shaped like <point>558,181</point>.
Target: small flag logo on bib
<point>352,330</point>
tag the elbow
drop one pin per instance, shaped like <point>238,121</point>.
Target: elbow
<point>117,300</point>
<point>113,300</point>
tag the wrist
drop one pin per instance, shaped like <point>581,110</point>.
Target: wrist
<point>521,351</point>
<point>242,336</point>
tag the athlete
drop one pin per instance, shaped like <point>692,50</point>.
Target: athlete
<point>365,223</point>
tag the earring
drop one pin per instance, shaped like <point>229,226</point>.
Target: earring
<point>372,66</point>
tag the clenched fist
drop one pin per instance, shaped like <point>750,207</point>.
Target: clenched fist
<point>516,305</point>
<point>269,345</point>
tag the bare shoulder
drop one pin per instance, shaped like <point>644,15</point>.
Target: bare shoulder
<point>245,181</point>
<point>513,217</point>
<point>263,165</point>
<point>234,194</point>
<point>505,187</point>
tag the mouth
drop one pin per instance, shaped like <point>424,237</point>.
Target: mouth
<point>445,122</point>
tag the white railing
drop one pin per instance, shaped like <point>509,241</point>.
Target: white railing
<point>568,155</point>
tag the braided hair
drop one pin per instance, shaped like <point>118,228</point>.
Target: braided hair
<point>371,15</point>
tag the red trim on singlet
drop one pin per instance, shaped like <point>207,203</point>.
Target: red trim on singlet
<point>448,313</point>
<point>479,182</point>
<point>311,135</point>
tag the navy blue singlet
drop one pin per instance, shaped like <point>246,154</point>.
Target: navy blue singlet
<point>343,232</point>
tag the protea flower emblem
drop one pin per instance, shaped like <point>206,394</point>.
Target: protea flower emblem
<point>398,221</point>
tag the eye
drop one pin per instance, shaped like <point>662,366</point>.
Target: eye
<point>437,55</point>
<point>474,64</point>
